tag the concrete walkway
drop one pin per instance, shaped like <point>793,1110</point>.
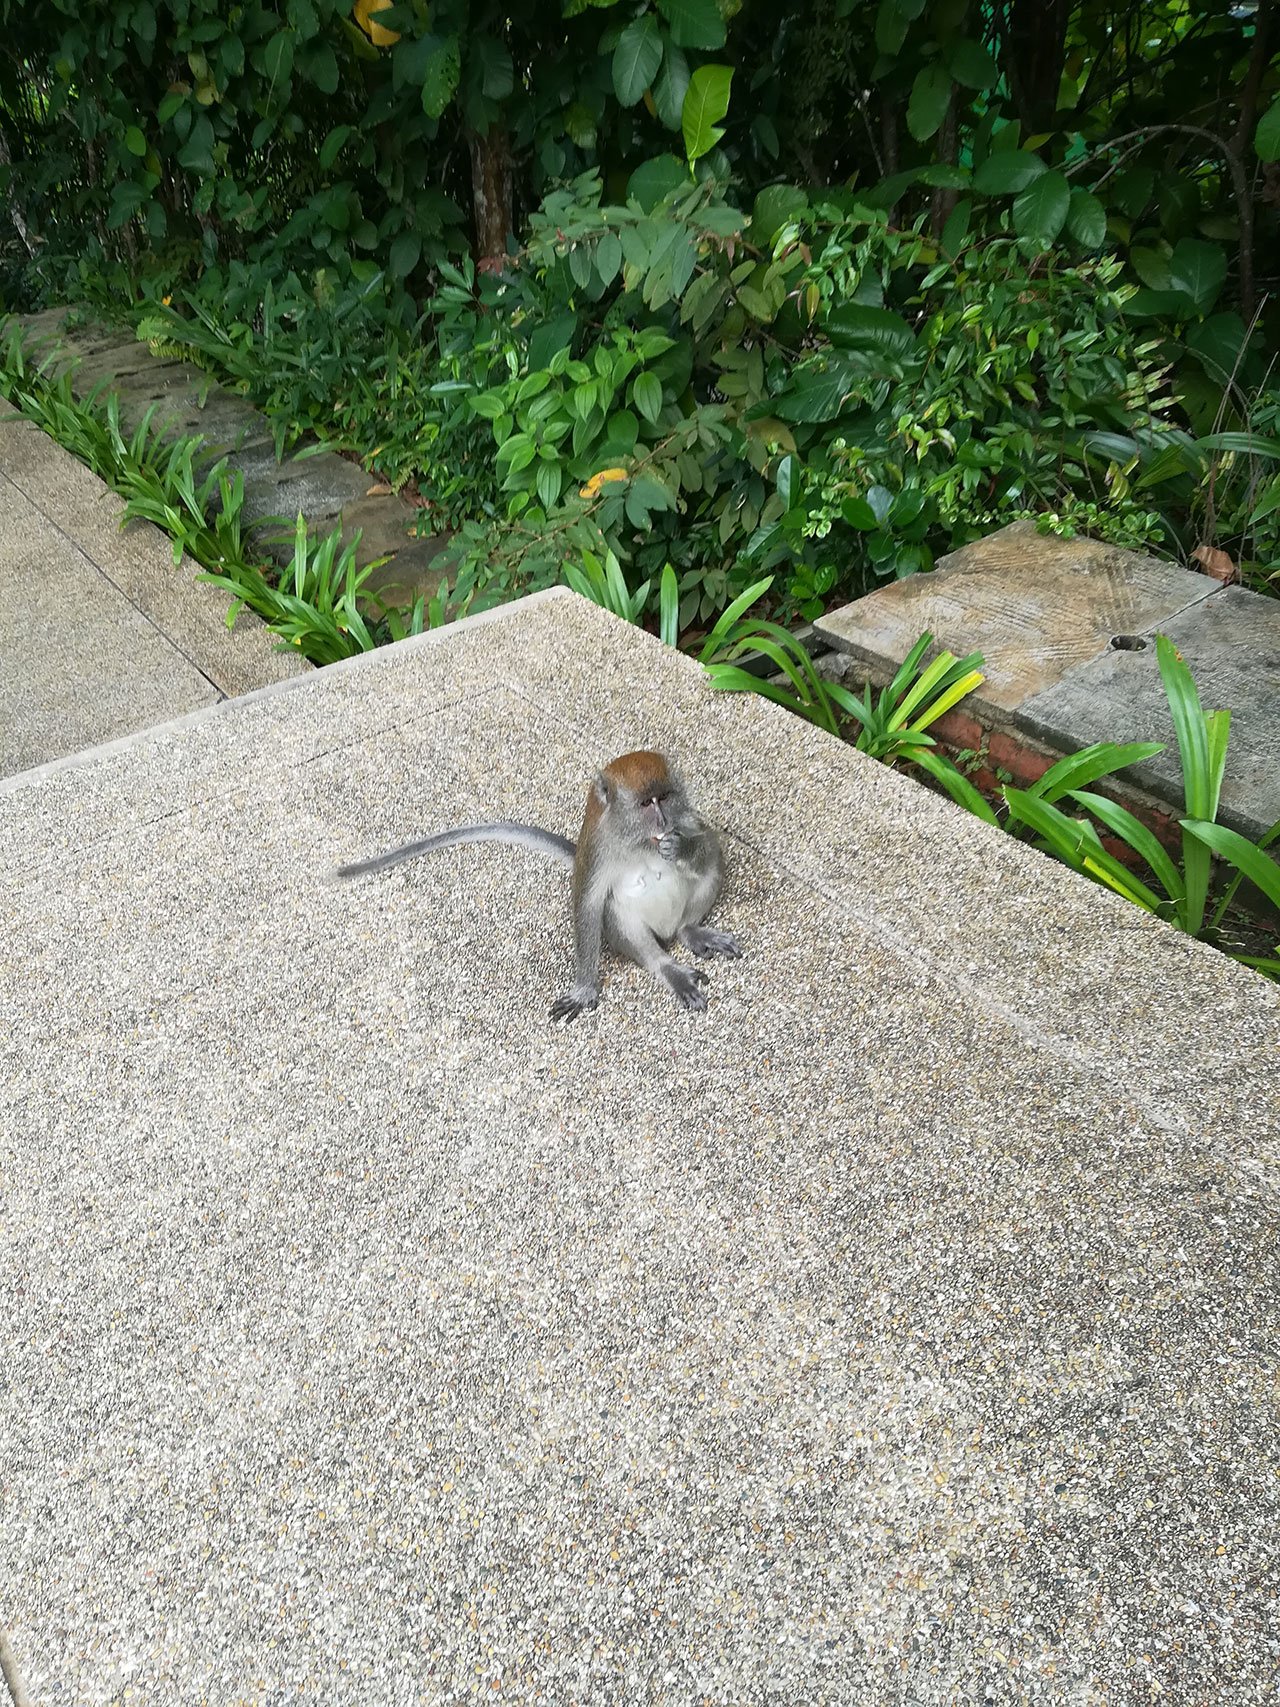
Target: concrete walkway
<point>100,634</point>
<point>902,1330</point>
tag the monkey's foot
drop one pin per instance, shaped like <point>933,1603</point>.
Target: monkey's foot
<point>707,944</point>
<point>687,986</point>
<point>573,1003</point>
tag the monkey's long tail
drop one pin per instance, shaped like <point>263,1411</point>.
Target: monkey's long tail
<point>513,835</point>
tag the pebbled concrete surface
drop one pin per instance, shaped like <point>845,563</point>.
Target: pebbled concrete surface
<point>902,1330</point>
<point>100,633</point>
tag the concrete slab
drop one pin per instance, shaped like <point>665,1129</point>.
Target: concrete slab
<point>1034,605</point>
<point>326,488</point>
<point>901,1330</point>
<point>1231,642</point>
<point>1044,612</point>
<point>100,634</point>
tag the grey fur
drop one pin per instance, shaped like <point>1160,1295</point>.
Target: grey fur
<point>512,835</point>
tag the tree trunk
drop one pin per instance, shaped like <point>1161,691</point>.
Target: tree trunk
<point>1033,37</point>
<point>490,196</point>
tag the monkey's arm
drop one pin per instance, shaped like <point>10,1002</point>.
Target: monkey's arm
<point>511,835</point>
<point>589,898</point>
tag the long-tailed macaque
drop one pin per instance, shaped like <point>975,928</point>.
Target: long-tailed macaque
<point>646,871</point>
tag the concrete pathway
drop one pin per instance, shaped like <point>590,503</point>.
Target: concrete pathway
<point>902,1330</point>
<point>100,634</point>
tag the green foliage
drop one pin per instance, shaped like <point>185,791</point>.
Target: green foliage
<point>315,603</point>
<point>1177,892</point>
<point>1040,278</point>
<point>176,486</point>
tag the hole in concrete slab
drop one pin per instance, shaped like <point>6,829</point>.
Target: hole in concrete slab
<point>1128,643</point>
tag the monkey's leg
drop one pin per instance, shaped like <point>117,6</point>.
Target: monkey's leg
<point>638,943</point>
<point>707,943</point>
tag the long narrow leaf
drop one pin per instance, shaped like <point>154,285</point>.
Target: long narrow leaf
<point>957,786</point>
<point>1078,847</point>
<point>729,617</point>
<point>926,683</point>
<point>728,678</point>
<point>1144,842</point>
<point>668,606</point>
<point>1240,852</point>
<point>1103,758</point>
<point>908,667</point>
<point>1188,725</point>
<point>952,696</point>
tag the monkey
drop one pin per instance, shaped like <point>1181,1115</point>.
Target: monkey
<point>647,869</point>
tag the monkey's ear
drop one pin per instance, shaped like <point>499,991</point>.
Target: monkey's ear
<point>602,788</point>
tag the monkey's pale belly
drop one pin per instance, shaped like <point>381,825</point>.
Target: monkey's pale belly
<point>657,893</point>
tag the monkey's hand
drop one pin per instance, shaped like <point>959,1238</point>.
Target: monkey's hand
<point>575,1002</point>
<point>671,846</point>
<point>687,986</point>
<point>707,944</point>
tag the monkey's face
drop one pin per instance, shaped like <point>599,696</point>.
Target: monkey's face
<point>655,818</point>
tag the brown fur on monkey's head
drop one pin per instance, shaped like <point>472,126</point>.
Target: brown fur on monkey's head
<point>638,774</point>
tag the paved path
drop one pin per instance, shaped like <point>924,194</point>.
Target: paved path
<point>100,634</point>
<point>902,1330</point>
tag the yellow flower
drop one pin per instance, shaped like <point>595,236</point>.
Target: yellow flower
<point>605,476</point>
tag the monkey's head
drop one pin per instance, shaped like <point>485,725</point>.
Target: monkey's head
<point>640,793</point>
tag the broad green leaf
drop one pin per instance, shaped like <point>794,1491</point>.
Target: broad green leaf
<point>440,74</point>
<point>774,207</point>
<point>651,183</point>
<point>608,257</point>
<point>646,394</point>
<point>135,142</point>
<point>404,255</point>
<point>970,63</point>
<point>1199,269</point>
<point>930,95</point>
<point>332,145</point>
<point>817,396</point>
<point>1218,342</point>
<point>1087,219</point>
<point>278,59</point>
<point>1040,212</point>
<point>1007,173</point>
<point>854,326</point>
<point>671,86</point>
<point>694,23</point>
<point>891,27</point>
<point>319,64</point>
<point>946,177</point>
<point>956,231</point>
<point>547,482</point>
<point>1266,139</point>
<point>636,59</point>
<point>705,104</point>
<point>197,154</point>
<point>497,77</point>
